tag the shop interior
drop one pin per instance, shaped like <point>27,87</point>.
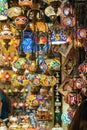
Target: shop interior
<point>43,61</point>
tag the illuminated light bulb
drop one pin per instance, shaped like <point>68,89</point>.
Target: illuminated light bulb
<point>7,75</point>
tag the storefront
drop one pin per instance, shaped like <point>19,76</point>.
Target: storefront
<point>43,61</point>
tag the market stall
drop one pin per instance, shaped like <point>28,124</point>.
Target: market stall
<point>40,46</point>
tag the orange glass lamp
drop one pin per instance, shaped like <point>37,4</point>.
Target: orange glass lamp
<point>25,2</point>
<point>6,76</point>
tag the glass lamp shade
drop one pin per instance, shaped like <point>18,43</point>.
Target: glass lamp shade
<point>32,68</point>
<point>78,83</point>
<point>41,38</point>
<point>20,63</point>
<point>6,34</point>
<point>83,68</point>
<point>48,64</point>
<point>14,12</point>
<point>3,9</point>
<point>73,99</point>
<point>35,14</point>
<point>71,113</point>
<point>68,21</point>
<point>84,91</point>
<point>49,81</point>
<point>82,34</point>
<point>21,21</point>
<point>43,65</point>
<point>41,26</point>
<point>50,11</point>
<point>52,64</point>
<point>28,45</point>
<point>66,11</point>
<point>25,2</point>
<point>65,118</point>
<point>5,76</point>
<point>30,99</point>
<point>79,43</point>
<point>19,80</point>
<point>35,100</point>
<point>42,79</point>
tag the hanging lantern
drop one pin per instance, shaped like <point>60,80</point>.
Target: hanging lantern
<point>21,63</point>
<point>41,26</point>
<point>52,64</point>
<point>73,98</point>
<point>69,21</point>
<point>14,12</point>
<point>78,83</point>
<point>25,2</point>
<point>41,38</point>
<point>54,8</point>
<point>21,21</point>
<point>19,81</point>
<point>50,12</point>
<point>79,43</point>
<point>35,14</point>
<point>66,11</point>
<point>3,9</point>
<point>28,43</point>
<point>42,79</point>
<point>6,33</point>
<point>65,118</point>
<point>6,77</point>
<point>83,68</point>
<point>32,67</point>
<point>84,91</point>
<point>82,34</point>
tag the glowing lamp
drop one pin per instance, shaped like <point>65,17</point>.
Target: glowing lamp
<point>6,34</point>
<point>6,76</point>
<point>21,20</point>
<point>25,2</point>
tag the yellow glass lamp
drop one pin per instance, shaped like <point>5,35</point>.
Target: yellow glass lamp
<point>6,35</point>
